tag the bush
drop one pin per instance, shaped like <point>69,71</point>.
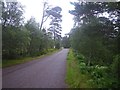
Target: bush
<point>115,68</point>
<point>101,76</point>
<point>82,67</point>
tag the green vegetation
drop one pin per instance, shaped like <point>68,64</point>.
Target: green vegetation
<point>94,39</point>
<point>99,77</point>
<point>66,41</point>
<point>24,40</point>
<point>74,77</point>
<point>80,75</point>
<point>8,63</point>
<point>95,42</point>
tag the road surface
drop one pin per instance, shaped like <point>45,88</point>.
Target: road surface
<point>47,72</point>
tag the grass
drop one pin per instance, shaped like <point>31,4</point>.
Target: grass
<point>74,78</point>
<point>8,63</point>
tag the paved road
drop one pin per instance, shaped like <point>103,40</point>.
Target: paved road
<point>47,72</point>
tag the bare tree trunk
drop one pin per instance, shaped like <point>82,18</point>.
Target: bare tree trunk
<point>42,16</point>
<point>54,38</point>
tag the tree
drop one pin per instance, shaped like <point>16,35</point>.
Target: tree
<point>35,37</point>
<point>66,42</point>
<point>40,41</point>
<point>44,14</point>
<point>93,23</point>
<point>15,37</point>
<point>95,35</point>
<point>12,14</point>
<point>55,24</point>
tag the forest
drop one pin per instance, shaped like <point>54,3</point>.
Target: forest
<point>95,40</point>
<point>21,39</point>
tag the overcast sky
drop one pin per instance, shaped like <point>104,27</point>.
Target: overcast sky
<point>34,8</point>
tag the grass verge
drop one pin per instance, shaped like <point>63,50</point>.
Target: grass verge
<point>8,63</point>
<point>74,78</point>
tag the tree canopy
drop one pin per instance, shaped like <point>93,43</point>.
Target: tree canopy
<point>22,39</point>
<point>95,34</point>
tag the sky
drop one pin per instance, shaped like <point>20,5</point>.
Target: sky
<point>34,8</point>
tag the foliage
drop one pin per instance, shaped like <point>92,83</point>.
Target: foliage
<point>22,39</point>
<point>98,74</point>
<point>15,38</point>
<point>95,40</point>
<point>55,26</point>
<point>74,77</point>
<point>8,63</point>
<point>66,42</point>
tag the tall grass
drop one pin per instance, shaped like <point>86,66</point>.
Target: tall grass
<point>74,77</point>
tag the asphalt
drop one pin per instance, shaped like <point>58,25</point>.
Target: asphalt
<point>47,72</point>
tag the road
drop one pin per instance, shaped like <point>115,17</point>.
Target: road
<point>47,72</point>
